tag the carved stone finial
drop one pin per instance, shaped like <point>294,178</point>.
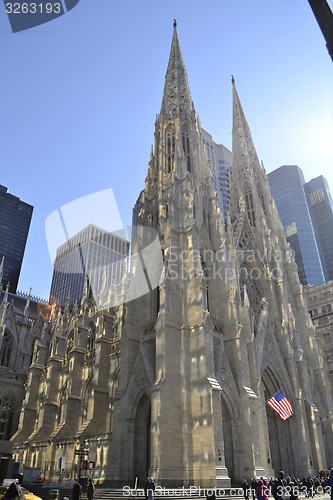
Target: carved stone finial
<point>232,79</point>
<point>174,23</point>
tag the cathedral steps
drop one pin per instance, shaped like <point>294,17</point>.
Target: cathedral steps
<point>123,494</point>
<point>167,493</point>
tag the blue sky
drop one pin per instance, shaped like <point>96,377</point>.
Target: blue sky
<point>79,97</point>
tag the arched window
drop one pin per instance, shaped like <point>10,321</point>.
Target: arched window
<point>261,197</point>
<point>7,405</point>
<point>186,148</point>
<point>6,349</point>
<point>54,347</point>
<point>91,337</point>
<point>40,409</point>
<point>88,401</point>
<point>250,207</point>
<point>170,147</point>
<point>70,343</point>
<point>61,414</point>
<point>33,349</point>
<point>249,279</point>
<point>113,387</point>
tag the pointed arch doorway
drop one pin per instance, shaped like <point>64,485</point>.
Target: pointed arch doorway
<point>142,439</point>
<point>281,455</point>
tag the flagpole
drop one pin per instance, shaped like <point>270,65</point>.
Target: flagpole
<point>270,397</point>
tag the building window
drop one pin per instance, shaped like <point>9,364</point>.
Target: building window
<point>317,196</point>
<point>91,337</point>
<point>6,349</point>
<point>261,197</point>
<point>331,374</point>
<point>170,147</point>
<point>6,415</point>
<point>291,230</point>
<point>186,148</point>
<point>314,313</point>
<point>323,320</point>
<point>61,412</point>
<point>329,356</point>
<point>69,344</point>
<point>250,207</point>
<point>327,337</point>
<point>88,401</point>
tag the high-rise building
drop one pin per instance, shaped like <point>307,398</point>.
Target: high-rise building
<point>219,159</point>
<point>320,205</point>
<point>287,189</point>
<point>94,258</point>
<point>173,383</point>
<point>15,218</point>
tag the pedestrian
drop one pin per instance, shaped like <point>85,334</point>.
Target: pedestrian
<point>146,488</point>
<point>13,492</point>
<point>77,490</point>
<point>90,490</point>
<point>309,487</point>
<point>246,487</point>
<point>331,482</point>
<point>253,487</point>
<point>151,488</point>
<point>261,490</point>
<point>279,487</point>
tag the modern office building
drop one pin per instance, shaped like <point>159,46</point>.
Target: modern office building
<point>320,205</point>
<point>15,218</point>
<point>93,259</point>
<point>287,189</point>
<point>219,159</point>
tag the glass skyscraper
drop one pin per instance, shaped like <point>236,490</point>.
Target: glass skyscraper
<point>93,255</point>
<point>321,210</point>
<point>219,159</point>
<point>15,218</point>
<point>287,189</point>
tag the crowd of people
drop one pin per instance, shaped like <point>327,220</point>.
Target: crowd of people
<point>281,488</point>
<point>288,488</point>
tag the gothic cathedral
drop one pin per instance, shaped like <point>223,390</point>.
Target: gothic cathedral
<point>173,383</point>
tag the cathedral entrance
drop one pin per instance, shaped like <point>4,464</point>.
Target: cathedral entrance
<point>142,440</point>
<point>279,432</point>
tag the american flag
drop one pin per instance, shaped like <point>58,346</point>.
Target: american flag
<point>281,405</point>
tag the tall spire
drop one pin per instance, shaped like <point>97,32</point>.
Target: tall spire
<point>244,157</point>
<point>251,199</point>
<point>177,100</point>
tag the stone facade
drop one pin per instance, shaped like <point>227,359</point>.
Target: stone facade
<point>320,305</point>
<point>20,330</point>
<point>174,383</point>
